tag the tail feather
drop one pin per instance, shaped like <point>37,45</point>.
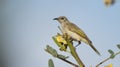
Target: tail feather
<point>91,45</point>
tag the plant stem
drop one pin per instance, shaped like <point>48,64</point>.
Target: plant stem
<point>103,61</point>
<point>74,54</point>
<point>68,62</point>
<point>106,59</point>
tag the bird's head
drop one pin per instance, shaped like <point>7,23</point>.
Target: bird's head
<point>61,19</point>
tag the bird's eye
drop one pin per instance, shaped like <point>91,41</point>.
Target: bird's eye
<point>62,18</point>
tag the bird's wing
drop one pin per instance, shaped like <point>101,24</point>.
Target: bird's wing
<point>76,29</point>
<point>79,31</point>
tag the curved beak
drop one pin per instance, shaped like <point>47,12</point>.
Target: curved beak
<point>55,19</point>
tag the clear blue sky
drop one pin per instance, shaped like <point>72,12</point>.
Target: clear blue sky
<point>29,27</point>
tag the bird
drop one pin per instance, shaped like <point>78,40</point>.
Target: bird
<point>74,32</point>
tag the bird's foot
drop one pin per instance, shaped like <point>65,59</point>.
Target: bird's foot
<point>78,44</point>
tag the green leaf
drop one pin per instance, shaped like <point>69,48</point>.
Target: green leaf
<point>51,50</point>
<point>118,46</point>
<point>62,56</point>
<point>112,56</point>
<point>110,51</point>
<point>50,63</point>
<point>54,39</point>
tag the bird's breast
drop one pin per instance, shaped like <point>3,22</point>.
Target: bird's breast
<point>74,35</point>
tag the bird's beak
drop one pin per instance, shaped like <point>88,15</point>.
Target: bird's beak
<point>55,19</point>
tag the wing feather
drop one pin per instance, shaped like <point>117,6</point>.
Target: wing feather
<point>79,31</point>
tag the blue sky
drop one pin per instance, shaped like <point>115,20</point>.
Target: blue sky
<point>29,27</point>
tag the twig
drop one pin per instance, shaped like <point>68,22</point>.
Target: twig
<point>74,54</point>
<point>68,62</point>
<point>60,29</point>
<point>54,53</point>
<point>106,59</point>
<point>103,61</point>
<point>117,53</point>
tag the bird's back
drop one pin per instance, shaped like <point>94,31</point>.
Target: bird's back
<point>77,30</point>
<point>81,33</point>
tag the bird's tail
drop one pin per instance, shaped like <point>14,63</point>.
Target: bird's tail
<point>91,45</point>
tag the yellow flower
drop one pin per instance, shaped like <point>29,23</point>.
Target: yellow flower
<point>110,65</point>
<point>61,42</point>
<point>60,39</point>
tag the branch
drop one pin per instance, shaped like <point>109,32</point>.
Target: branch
<point>54,53</point>
<point>60,29</point>
<point>107,59</point>
<point>68,62</point>
<point>74,54</point>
